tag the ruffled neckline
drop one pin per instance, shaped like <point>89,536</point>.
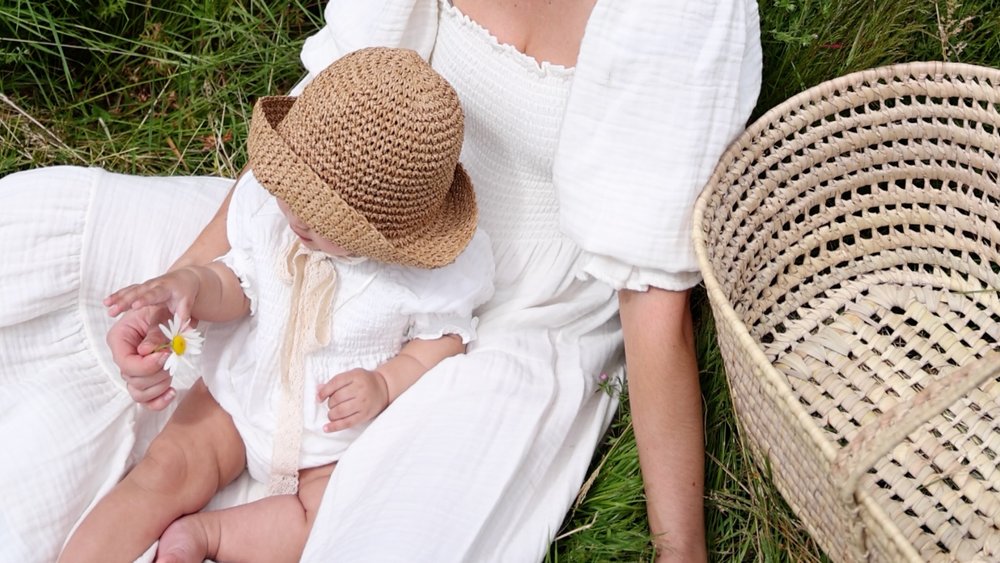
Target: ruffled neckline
<point>540,68</point>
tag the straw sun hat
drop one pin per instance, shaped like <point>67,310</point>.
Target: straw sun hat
<point>367,156</point>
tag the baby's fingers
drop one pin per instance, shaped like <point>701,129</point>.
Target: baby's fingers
<point>161,402</point>
<point>326,390</point>
<point>135,297</point>
<point>120,300</point>
<point>142,394</point>
<point>344,415</point>
<point>342,424</point>
<point>150,295</point>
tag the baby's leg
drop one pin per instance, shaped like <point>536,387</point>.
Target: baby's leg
<point>271,529</point>
<point>198,452</point>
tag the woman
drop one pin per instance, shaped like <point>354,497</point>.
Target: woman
<point>590,128</point>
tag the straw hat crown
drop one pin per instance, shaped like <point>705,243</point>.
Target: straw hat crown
<point>367,156</point>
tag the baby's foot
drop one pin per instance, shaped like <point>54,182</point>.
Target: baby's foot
<point>184,541</point>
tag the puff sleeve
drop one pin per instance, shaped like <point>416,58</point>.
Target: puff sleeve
<point>352,25</point>
<point>441,301</point>
<point>248,197</point>
<point>660,90</point>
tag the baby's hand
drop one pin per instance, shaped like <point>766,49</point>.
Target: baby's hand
<point>354,396</point>
<point>133,340</point>
<point>176,290</point>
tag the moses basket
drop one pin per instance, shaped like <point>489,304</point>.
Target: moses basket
<point>850,245</point>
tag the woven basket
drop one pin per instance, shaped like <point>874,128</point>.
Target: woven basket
<point>850,244</point>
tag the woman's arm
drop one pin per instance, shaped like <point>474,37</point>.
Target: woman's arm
<point>665,400</point>
<point>212,242</point>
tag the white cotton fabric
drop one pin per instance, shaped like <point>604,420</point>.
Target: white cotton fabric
<point>481,458</point>
<point>376,308</point>
<point>69,236</point>
<point>662,88</point>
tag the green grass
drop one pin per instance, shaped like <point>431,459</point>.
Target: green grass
<point>166,88</point>
<point>140,88</point>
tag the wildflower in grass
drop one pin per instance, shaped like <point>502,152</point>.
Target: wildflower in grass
<point>183,341</point>
<point>608,385</point>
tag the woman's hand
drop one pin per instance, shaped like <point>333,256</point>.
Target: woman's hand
<point>353,397</point>
<point>177,290</point>
<point>133,341</point>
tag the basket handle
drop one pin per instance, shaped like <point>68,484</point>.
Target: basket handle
<point>877,438</point>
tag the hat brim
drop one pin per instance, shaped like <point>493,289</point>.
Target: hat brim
<point>440,239</point>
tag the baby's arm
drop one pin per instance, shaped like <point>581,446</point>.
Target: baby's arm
<point>211,293</point>
<point>415,359</point>
<point>211,242</point>
<point>360,395</point>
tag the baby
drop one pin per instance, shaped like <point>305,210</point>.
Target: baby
<point>354,251</point>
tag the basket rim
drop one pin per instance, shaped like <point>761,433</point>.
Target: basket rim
<point>724,310</point>
<point>828,87</point>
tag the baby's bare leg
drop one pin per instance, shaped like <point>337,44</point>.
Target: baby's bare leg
<point>271,529</point>
<point>198,452</point>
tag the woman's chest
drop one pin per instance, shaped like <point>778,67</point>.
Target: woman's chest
<point>545,30</point>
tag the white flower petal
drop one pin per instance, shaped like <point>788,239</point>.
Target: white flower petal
<point>171,364</point>
<point>193,339</point>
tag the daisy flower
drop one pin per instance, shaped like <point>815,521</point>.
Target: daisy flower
<point>183,342</point>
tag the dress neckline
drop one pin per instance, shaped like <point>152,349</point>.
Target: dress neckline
<point>544,68</point>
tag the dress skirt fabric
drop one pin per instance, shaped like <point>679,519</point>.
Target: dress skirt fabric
<point>68,428</point>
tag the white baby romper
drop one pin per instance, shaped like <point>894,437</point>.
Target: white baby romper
<point>375,309</point>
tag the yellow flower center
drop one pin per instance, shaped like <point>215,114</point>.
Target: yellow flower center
<point>178,344</point>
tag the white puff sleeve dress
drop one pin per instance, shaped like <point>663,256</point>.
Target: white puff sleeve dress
<point>584,178</point>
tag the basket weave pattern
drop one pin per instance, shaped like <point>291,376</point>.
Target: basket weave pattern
<point>850,244</point>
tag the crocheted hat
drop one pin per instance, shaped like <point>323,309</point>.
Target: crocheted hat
<point>367,156</point>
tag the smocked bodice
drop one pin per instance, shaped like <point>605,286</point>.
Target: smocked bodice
<point>513,112</point>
